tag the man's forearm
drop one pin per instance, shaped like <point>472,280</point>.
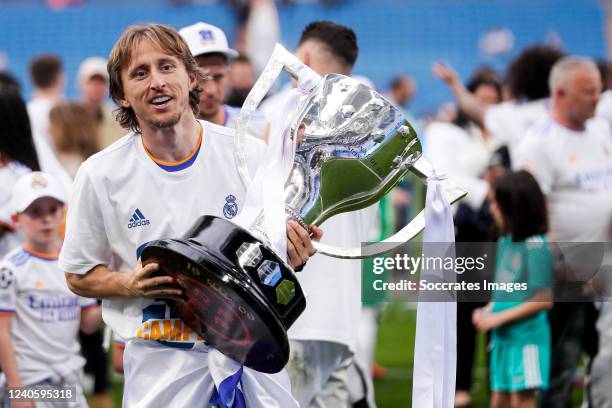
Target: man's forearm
<point>469,104</point>
<point>99,283</point>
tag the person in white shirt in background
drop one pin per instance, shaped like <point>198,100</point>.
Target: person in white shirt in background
<point>570,154</point>
<point>46,73</point>
<point>322,343</point>
<point>527,87</point>
<point>92,79</point>
<point>464,149</point>
<point>47,76</point>
<point>209,46</point>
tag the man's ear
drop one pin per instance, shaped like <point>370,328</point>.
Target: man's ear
<point>307,58</point>
<point>124,102</point>
<point>193,81</point>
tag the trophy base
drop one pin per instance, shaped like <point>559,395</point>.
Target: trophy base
<point>238,294</point>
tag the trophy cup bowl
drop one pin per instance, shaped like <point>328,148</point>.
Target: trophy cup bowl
<point>241,296</point>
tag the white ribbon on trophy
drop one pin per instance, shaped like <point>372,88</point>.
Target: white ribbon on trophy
<point>435,345</point>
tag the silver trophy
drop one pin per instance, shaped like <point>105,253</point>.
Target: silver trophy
<point>351,147</point>
<point>356,147</point>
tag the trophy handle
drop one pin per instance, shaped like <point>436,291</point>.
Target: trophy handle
<point>281,59</point>
<point>423,169</point>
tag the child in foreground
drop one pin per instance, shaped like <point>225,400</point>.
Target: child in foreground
<point>520,332</point>
<point>39,316</point>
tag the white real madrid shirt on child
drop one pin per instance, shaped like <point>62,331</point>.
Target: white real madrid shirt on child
<point>123,199</point>
<point>47,316</point>
<point>574,171</point>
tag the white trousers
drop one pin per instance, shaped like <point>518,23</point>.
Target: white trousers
<point>161,376</point>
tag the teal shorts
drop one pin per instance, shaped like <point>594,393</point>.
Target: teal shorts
<point>519,367</point>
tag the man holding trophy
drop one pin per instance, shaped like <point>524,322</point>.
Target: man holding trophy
<point>152,184</point>
<point>207,314</point>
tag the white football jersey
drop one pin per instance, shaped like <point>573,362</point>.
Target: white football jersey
<point>46,314</point>
<point>509,121</point>
<point>123,199</point>
<point>332,286</point>
<point>574,171</point>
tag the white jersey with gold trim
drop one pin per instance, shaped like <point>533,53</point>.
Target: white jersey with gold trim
<point>123,199</point>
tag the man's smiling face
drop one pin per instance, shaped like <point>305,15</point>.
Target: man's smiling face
<point>156,86</point>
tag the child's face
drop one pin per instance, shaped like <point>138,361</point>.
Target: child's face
<point>41,221</point>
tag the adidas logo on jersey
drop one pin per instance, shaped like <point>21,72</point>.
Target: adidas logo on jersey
<point>138,220</point>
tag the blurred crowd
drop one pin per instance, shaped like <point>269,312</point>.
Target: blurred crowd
<point>532,146</point>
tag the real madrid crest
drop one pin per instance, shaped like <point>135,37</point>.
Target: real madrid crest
<point>230,209</point>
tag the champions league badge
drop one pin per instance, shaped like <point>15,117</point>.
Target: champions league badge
<point>6,278</point>
<point>239,294</point>
<point>230,209</point>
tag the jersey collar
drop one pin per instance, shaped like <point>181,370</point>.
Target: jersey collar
<point>183,164</point>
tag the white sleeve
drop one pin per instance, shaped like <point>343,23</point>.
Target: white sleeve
<point>531,155</point>
<point>443,142</point>
<point>500,120</point>
<point>8,290</point>
<point>86,243</point>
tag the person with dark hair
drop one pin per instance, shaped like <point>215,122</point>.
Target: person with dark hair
<point>47,76</point>
<point>17,157</point>
<point>9,83</point>
<point>569,152</point>
<point>168,171</point>
<point>520,334</point>
<point>401,90</point>
<point>337,40</point>
<point>322,344</point>
<point>325,47</point>
<point>487,90</point>
<point>210,49</point>
<point>527,84</point>
<point>527,75</point>
<point>464,148</point>
<point>46,73</point>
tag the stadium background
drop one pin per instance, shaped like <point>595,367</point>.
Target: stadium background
<point>394,37</point>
